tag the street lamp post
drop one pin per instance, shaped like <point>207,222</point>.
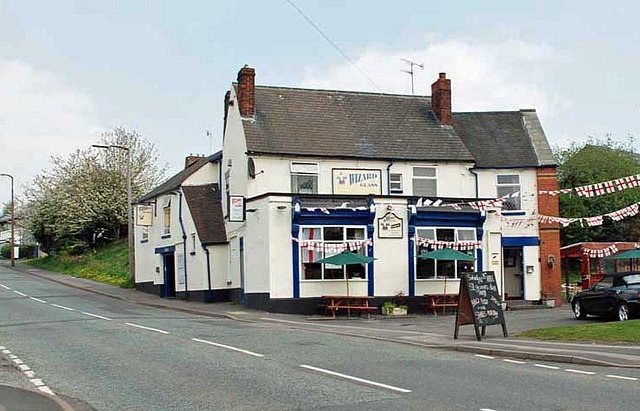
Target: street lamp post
<point>131,252</point>
<point>13,222</point>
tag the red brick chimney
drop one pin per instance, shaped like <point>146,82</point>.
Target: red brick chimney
<point>191,159</point>
<point>441,99</point>
<point>247,91</point>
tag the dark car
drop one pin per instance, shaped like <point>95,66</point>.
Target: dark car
<point>615,295</point>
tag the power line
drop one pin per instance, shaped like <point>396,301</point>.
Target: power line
<point>334,45</point>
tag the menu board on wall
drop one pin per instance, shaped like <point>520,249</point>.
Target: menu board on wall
<point>357,181</point>
<point>479,303</point>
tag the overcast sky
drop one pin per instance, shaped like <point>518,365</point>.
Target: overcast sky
<point>70,70</point>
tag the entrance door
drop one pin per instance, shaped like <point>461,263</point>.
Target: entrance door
<point>513,273</point>
<point>169,287</point>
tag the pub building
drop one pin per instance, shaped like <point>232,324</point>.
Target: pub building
<point>305,174</point>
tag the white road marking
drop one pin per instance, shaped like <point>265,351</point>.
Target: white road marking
<point>620,377</point>
<point>97,316</point>
<point>37,381</point>
<point>38,300</point>
<point>487,409</point>
<point>513,361</point>
<point>2,347</point>
<point>63,307</point>
<point>5,287</point>
<point>24,367</point>
<point>13,356</point>
<point>6,352</point>
<point>30,374</point>
<point>228,347</point>
<point>18,361</point>
<point>580,372</point>
<point>361,380</point>
<point>19,293</point>
<point>47,390</point>
<point>549,367</point>
<point>484,356</point>
<point>148,328</point>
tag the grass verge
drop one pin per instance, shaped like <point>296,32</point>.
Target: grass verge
<point>610,332</point>
<point>108,264</point>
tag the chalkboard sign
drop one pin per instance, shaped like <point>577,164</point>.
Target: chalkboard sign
<point>479,303</point>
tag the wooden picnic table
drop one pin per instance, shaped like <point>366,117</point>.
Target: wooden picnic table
<point>440,300</point>
<point>359,303</point>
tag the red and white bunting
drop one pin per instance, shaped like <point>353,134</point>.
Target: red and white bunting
<point>601,252</point>
<point>598,189</point>
<point>333,248</point>
<point>456,245</point>
<point>617,215</point>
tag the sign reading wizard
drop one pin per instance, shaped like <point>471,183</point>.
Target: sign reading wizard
<point>390,226</point>
<point>479,303</point>
<point>357,181</point>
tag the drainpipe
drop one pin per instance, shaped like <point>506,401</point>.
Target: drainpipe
<point>473,171</point>
<point>184,245</point>
<point>389,177</point>
<point>206,251</point>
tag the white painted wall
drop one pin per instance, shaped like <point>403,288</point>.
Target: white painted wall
<point>391,269</point>
<point>532,282</point>
<point>454,179</point>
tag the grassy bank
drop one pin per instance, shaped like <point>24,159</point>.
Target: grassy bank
<point>107,265</point>
<point>610,332</point>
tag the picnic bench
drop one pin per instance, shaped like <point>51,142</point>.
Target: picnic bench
<point>434,301</point>
<point>358,303</point>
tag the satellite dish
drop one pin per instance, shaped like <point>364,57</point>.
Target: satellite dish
<point>252,168</point>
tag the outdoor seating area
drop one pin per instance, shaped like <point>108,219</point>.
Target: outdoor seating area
<point>435,301</point>
<point>349,303</point>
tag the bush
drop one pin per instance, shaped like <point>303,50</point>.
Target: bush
<point>25,251</point>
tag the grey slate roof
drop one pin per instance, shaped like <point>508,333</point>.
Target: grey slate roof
<point>206,210</point>
<point>306,122</point>
<point>504,139</point>
<point>176,180</point>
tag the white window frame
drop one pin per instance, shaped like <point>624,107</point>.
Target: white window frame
<point>323,255</point>
<point>301,168</point>
<point>397,181</point>
<point>420,232</point>
<point>414,178</point>
<point>518,189</point>
<point>166,216</point>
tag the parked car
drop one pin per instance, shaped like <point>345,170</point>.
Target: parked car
<point>615,295</point>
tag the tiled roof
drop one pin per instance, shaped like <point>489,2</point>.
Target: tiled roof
<point>206,210</point>
<point>175,181</point>
<point>292,121</point>
<point>504,139</point>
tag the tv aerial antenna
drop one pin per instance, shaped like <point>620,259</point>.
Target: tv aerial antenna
<point>410,71</point>
<point>210,136</point>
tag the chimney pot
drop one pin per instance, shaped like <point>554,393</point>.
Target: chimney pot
<point>191,159</point>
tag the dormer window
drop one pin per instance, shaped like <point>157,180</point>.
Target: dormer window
<point>304,178</point>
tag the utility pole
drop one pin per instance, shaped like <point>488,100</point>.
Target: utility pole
<point>410,71</point>
<point>13,221</point>
<point>130,239</point>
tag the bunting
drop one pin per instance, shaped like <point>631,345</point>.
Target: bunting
<point>598,189</point>
<point>617,215</point>
<point>333,248</point>
<point>600,252</point>
<point>456,245</point>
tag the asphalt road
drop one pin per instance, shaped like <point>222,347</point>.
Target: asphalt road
<point>116,355</point>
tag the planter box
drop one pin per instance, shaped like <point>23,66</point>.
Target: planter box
<point>395,311</point>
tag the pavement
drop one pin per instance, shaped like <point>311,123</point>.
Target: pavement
<point>424,330</point>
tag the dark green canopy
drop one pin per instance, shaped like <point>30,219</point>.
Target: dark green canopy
<point>446,254</point>
<point>624,255</point>
<point>346,258</point>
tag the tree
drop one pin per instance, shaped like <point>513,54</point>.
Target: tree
<point>82,200</point>
<point>595,162</point>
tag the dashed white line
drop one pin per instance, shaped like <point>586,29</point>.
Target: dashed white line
<point>47,390</point>
<point>24,367</point>
<point>549,367</point>
<point>5,287</point>
<point>97,316</point>
<point>579,371</point>
<point>63,307</point>
<point>148,328</point>
<point>30,373</point>
<point>38,300</point>
<point>228,347</point>
<point>484,356</point>
<point>349,377</point>
<point>620,377</point>
<point>19,293</point>
<point>37,382</point>
<point>487,409</point>
<point>513,361</point>
<point>18,361</point>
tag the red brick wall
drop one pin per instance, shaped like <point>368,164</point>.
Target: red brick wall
<point>549,236</point>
